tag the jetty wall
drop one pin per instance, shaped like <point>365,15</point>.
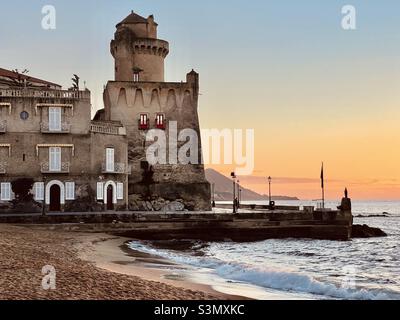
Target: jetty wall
<point>244,226</point>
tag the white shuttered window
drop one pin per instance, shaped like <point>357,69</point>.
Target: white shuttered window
<point>54,119</point>
<point>100,191</point>
<point>110,159</point>
<point>39,191</point>
<point>55,159</point>
<point>120,191</point>
<point>5,191</point>
<point>70,191</point>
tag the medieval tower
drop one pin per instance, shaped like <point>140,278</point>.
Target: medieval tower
<point>141,100</point>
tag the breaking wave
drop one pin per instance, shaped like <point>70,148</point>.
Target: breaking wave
<point>271,278</point>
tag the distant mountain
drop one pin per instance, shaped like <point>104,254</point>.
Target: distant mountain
<point>223,189</point>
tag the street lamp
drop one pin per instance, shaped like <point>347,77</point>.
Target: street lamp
<point>238,192</point>
<point>213,195</point>
<point>269,190</point>
<point>234,191</point>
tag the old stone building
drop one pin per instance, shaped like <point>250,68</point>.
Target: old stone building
<point>53,157</point>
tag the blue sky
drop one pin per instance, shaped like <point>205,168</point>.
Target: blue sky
<point>286,68</point>
<point>232,39</point>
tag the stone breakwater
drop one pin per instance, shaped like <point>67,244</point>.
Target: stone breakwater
<point>244,226</point>
<point>24,252</point>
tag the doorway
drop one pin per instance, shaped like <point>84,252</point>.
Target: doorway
<point>110,193</point>
<point>55,196</point>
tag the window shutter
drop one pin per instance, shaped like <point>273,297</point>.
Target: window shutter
<point>120,191</point>
<point>8,191</point>
<point>143,119</point>
<point>100,190</point>
<point>160,119</point>
<point>39,191</point>
<point>54,119</point>
<point>110,159</point>
<point>70,191</point>
<point>55,158</point>
<point>5,191</point>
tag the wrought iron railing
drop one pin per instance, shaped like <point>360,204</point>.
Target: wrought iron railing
<point>118,168</point>
<point>45,168</point>
<point>65,128</point>
<point>144,125</point>
<point>107,129</point>
<point>42,93</point>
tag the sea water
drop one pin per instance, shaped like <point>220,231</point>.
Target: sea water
<point>303,268</point>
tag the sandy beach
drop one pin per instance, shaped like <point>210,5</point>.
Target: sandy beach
<point>88,266</point>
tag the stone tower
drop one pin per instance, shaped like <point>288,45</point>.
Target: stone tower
<point>141,100</point>
<point>138,54</point>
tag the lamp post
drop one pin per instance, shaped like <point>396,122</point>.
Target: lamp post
<point>269,190</point>
<point>234,191</point>
<point>238,193</point>
<point>213,195</point>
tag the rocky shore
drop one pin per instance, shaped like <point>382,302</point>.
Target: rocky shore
<point>24,252</point>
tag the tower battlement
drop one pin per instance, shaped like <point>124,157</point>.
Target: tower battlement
<point>138,54</point>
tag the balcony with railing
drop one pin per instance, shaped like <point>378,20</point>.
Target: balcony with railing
<point>160,124</point>
<point>3,167</point>
<point>118,168</point>
<point>44,93</point>
<point>144,124</point>
<point>3,126</point>
<point>64,168</point>
<point>107,128</point>
<point>64,128</point>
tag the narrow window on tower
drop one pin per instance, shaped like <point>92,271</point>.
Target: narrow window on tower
<point>160,121</point>
<point>136,74</point>
<point>144,122</point>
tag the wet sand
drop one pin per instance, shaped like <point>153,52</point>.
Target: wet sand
<point>88,267</point>
<point>110,253</point>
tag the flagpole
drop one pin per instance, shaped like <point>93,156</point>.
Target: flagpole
<point>323,186</point>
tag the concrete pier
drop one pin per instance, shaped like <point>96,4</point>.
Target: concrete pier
<point>247,225</point>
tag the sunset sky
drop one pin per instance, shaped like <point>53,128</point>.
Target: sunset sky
<point>312,91</point>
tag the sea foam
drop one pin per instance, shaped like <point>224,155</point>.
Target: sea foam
<point>271,278</point>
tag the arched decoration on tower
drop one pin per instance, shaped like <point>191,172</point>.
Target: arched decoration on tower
<point>171,100</point>
<point>155,100</point>
<point>139,102</point>
<point>122,100</point>
<point>187,100</point>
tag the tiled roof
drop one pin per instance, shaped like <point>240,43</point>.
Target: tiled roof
<point>132,19</point>
<point>11,75</point>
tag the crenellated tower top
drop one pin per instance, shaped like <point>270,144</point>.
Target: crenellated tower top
<point>138,54</point>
